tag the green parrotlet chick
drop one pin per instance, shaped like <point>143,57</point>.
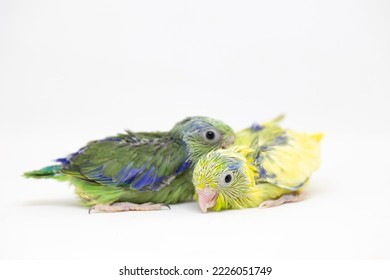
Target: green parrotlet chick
<point>140,171</point>
<point>271,167</point>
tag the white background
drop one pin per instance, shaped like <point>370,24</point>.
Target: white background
<point>74,71</point>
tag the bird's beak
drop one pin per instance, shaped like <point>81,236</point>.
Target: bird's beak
<point>229,141</point>
<point>207,198</point>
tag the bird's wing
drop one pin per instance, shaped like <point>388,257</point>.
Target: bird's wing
<point>138,161</point>
<point>290,160</point>
<point>260,134</point>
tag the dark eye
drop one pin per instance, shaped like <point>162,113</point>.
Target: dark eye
<point>210,135</point>
<point>228,178</point>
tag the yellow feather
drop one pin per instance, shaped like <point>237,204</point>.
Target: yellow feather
<point>292,164</point>
<point>275,161</point>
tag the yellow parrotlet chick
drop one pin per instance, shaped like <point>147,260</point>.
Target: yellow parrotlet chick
<point>268,166</point>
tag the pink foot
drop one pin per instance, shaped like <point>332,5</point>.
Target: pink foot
<point>127,206</point>
<point>287,198</point>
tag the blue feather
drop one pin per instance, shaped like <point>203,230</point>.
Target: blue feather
<point>98,175</point>
<point>66,160</point>
<point>299,185</point>
<point>139,178</point>
<point>256,127</point>
<point>149,178</point>
<point>280,140</point>
<point>63,161</point>
<point>183,167</point>
<point>263,172</point>
<point>236,165</point>
<point>110,139</point>
<point>128,174</point>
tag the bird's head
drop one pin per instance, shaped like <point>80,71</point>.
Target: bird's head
<point>223,179</point>
<point>203,135</point>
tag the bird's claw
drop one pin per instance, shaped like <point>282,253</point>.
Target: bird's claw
<point>166,205</point>
<point>127,206</point>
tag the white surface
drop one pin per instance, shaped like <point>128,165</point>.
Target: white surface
<point>73,71</point>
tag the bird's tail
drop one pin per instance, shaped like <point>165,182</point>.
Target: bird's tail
<point>317,137</point>
<point>44,173</point>
<point>278,119</point>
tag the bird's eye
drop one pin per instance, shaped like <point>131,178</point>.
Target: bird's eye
<point>211,136</point>
<point>226,179</point>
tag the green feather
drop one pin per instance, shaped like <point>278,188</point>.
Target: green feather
<point>180,190</point>
<point>140,167</point>
<point>269,163</point>
<point>46,172</point>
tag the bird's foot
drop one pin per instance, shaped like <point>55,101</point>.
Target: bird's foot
<point>287,198</point>
<point>128,206</point>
